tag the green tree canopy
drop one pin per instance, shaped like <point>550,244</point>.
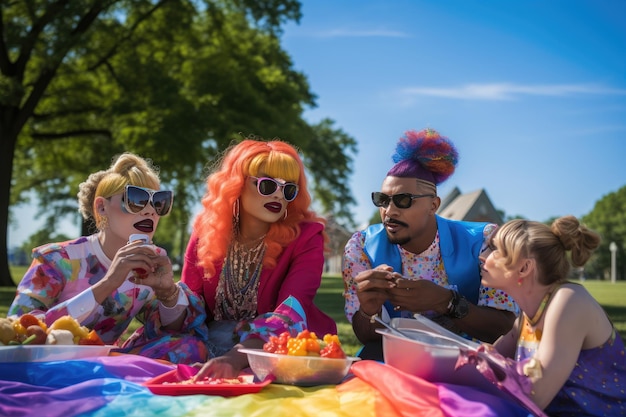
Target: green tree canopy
<point>172,80</point>
<point>608,218</point>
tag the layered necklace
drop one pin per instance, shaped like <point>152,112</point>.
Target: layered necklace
<point>236,297</point>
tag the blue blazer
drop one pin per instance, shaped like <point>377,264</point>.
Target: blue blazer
<point>460,244</point>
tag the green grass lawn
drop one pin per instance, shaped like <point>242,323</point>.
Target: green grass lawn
<point>611,296</point>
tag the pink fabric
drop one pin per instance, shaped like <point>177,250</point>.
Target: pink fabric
<point>397,393</point>
<point>505,373</point>
<point>110,387</point>
<point>298,273</point>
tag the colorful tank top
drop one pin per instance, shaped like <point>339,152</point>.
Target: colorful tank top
<point>597,384</point>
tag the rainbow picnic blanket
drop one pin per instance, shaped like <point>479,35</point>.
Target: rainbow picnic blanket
<point>111,386</point>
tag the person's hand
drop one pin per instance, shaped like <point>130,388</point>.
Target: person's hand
<point>230,364</point>
<point>220,367</point>
<point>372,286</point>
<point>419,296</point>
<point>160,277</point>
<point>133,257</point>
<point>147,268</point>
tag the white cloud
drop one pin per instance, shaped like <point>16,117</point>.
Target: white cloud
<point>599,130</point>
<point>371,33</point>
<point>508,91</point>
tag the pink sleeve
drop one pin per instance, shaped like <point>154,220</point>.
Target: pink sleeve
<point>304,274</point>
<point>298,273</point>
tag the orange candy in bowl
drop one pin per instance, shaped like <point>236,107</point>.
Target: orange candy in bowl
<point>304,360</point>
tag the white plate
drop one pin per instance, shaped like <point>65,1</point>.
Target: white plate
<point>45,353</point>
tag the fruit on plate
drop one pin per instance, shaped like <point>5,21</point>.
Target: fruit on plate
<point>7,332</point>
<point>29,329</point>
<point>40,334</point>
<point>305,343</point>
<point>91,339</point>
<point>59,337</point>
<point>71,324</point>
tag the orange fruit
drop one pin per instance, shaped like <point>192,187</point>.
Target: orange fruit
<point>28,320</point>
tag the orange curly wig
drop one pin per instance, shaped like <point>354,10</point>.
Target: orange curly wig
<point>214,224</point>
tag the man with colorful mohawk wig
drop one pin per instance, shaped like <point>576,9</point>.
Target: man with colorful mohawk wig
<point>416,261</point>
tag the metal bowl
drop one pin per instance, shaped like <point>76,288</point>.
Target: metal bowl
<point>429,356</point>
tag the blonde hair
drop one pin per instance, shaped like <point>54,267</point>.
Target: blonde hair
<point>125,169</point>
<point>548,245</point>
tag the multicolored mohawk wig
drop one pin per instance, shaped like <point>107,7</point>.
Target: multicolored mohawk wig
<point>425,155</point>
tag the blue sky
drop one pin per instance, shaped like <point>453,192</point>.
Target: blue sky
<point>532,93</point>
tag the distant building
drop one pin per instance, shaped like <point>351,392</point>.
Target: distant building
<point>338,236</point>
<point>473,207</point>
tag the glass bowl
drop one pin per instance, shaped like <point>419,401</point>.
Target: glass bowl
<point>304,371</point>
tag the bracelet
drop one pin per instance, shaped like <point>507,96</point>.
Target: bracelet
<point>532,368</point>
<point>170,297</point>
<point>451,303</point>
<point>370,318</point>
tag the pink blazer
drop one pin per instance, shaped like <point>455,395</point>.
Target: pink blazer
<point>298,272</point>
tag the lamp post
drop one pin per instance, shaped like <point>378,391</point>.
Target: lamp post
<point>613,249</point>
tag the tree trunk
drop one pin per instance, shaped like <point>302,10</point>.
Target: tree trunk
<point>8,139</point>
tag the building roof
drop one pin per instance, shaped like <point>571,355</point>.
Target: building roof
<point>474,206</point>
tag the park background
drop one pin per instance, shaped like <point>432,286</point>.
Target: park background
<point>329,298</point>
<point>532,93</point>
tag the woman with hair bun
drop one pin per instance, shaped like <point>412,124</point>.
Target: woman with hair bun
<point>105,280</point>
<point>564,342</point>
<point>256,253</point>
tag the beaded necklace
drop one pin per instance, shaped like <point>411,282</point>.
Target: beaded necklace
<point>236,297</point>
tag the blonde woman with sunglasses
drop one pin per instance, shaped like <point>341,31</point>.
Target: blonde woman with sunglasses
<point>105,281</point>
<point>255,244</point>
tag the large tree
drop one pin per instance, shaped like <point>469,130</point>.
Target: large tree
<point>608,218</point>
<point>173,80</point>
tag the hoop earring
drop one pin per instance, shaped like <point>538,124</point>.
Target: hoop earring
<point>236,211</point>
<point>285,217</point>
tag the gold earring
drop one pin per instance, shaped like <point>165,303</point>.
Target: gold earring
<point>285,218</point>
<point>236,211</point>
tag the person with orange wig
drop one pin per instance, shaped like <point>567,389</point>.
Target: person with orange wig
<point>255,246</point>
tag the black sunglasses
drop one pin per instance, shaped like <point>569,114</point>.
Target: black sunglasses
<point>268,186</point>
<point>136,199</point>
<point>402,201</point>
